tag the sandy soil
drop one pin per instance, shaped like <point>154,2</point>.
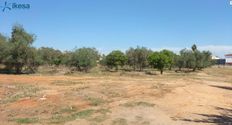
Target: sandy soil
<point>171,99</point>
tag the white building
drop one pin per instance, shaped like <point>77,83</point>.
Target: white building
<point>215,58</point>
<point>228,59</point>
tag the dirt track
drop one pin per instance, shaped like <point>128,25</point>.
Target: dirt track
<point>172,99</point>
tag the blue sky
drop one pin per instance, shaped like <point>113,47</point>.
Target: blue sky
<point>120,24</point>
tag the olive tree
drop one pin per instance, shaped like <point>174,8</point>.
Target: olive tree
<point>84,58</point>
<point>171,58</point>
<point>50,56</point>
<point>137,57</point>
<point>20,49</point>
<point>158,60</point>
<point>115,59</point>
<point>202,59</point>
<point>3,48</point>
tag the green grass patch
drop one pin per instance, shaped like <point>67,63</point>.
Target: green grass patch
<point>134,104</point>
<point>57,119</point>
<point>26,120</point>
<point>68,109</point>
<point>60,118</point>
<point>66,82</point>
<point>95,101</point>
<point>83,114</point>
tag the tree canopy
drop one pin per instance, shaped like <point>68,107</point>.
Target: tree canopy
<point>18,55</point>
<point>137,57</point>
<point>84,58</point>
<point>158,60</point>
<point>21,52</point>
<point>115,59</point>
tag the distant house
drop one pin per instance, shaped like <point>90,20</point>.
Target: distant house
<point>218,61</point>
<point>228,59</point>
<point>215,58</point>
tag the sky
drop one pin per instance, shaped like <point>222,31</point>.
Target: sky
<point>120,24</point>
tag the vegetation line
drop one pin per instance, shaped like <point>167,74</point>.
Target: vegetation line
<point>19,56</point>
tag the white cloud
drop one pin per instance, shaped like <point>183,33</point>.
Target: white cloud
<point>218,50</point>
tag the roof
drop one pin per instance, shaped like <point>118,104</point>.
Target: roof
<point>228,55</point>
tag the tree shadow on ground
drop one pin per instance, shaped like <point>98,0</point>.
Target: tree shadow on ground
<point>224,118</point>
<point>222,87</point>
<point>6,71</point>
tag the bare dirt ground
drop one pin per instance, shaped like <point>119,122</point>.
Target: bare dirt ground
<point>199,98</point>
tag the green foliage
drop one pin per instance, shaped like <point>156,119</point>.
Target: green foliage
<point>171,58</point>
<point>207,59</point>
<point>193,59</point>
<point>50,56</point>
<point>19,56</point>
<point>158,60</point>
<point>137,57</point>
<point>188,58</point>
<point>116,58</point>
<point>84,58</point>
<point>26,120</point>
<point>3,48</point>
<point>179,62</point>
<point>21,52</point>
<point>194,47</point>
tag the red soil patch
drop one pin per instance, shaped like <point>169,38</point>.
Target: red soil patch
<point>25,103</point>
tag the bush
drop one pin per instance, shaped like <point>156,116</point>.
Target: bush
<point>115,59</point>
<point>158,60</point>
<point>84,58</point>
<point>137,57</point>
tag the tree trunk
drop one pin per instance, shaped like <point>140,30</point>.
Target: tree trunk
<point>194,69</point>
<point>116,68</point>
<point>18,68</point>
<point>140,68</point>
<point>161,71</point>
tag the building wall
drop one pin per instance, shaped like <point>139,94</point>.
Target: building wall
<point>228,59</point>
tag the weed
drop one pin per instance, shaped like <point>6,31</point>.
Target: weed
<point>134,104</point>
<point>56,119</point>
<point>103,111</point>
<point>64,118</point>
<point>26,120</point>
<point>119,121</point>
<point>110,93</point>
<point>66,82</point>
<point>68,109</point>
<point>83,114</point>
<point>99,118</point>
<point>95,101</point>
<point>22,91</point>
<point>80,88</point>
